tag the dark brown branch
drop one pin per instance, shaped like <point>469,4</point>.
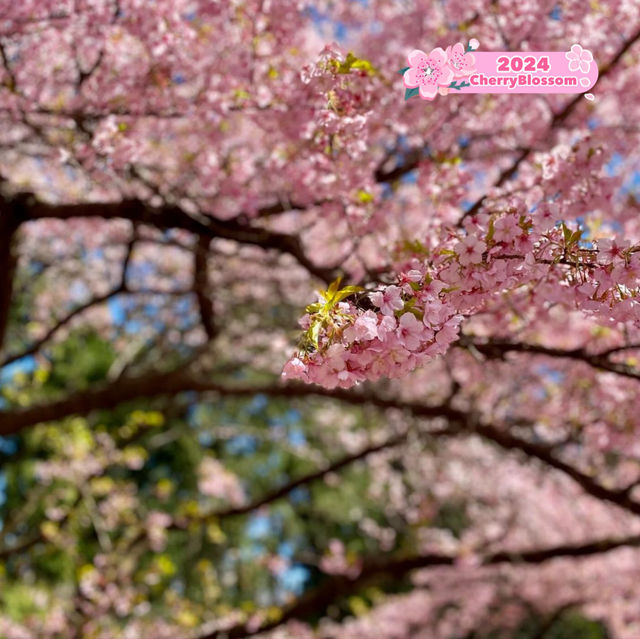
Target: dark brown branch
<point>10,82</point>
<point>202,286</point>
<point>84,75</point>
<point>157,384</point>
<point>169,217</point>
<point>496,349</point>
<point>96,398</point>
<point>122,289</point>
<point>22,546</point>
<point>336,587</point>
<point>37,345</point>
<point>8,259</point>
<point>410,162</point>
<point>619,349</point>
<point>507,441</point>
<point>285,490</point>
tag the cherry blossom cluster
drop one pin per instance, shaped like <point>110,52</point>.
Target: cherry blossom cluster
<point>418,317</point>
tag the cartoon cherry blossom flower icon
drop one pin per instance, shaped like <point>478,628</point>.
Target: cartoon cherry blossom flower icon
<point>428,72</point>
<point>461,62</point>
<point>579,58</point>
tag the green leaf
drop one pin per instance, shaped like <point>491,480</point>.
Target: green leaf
<point>453,516</point>
<point>410,93</point>
<point>576,237</point>
<point>491,231</point>
<point>333,296</point>
<point>408,305</point>
<point>457,87</point>
<point>333,287</point>
<point>404,70</point>
<point>314,308</point>
<point>365,65</point>
<point>523,223</point>
<point>364,196</point>
<point>345,292</point>
<point>353,62</point>
<point>314,333</point>
<point>566,233</point>
<point>415,246</point>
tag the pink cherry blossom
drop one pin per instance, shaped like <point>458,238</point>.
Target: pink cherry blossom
<point>431,290</point>
<point>410,331</point>
<point>294,369</point>
<point>364,328</point>
<point>428,72</point>
<point>470,250</point>
<point>389,300</point>
<point>387,327</point>
<point>610,250</point>
<point>462,62</point>
<point>506,229</point>
<point>216,481</point>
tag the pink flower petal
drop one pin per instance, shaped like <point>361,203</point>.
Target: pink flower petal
<point>447,76</point>
<point>569,55</point>
<point>438,56</point>
<point>584,66</point>
<point>418,58</point>
<point>574,65</point>
<point>577,49</point>
<point>587,56</point>
<point>428,91</point>
<point>412,77</point>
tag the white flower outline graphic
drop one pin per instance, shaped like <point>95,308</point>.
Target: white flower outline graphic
<point>579,58</point>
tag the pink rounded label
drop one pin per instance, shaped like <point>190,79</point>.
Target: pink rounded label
<point>460,69</point>
<point>530,72</point>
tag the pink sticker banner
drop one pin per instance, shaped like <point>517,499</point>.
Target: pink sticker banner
<point>459,69</point>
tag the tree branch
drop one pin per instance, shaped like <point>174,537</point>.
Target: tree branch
<point>170,216</point>
<point>9,225</point>
<point>157,384</point>
<point>37,345</point>
<point>309,478</point>
<point>202,286</point>
<point>336,587</point>
<point>496,349</point>
<point>506,441</point>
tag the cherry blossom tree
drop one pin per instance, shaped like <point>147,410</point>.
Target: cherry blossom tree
<point>283,354</point>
